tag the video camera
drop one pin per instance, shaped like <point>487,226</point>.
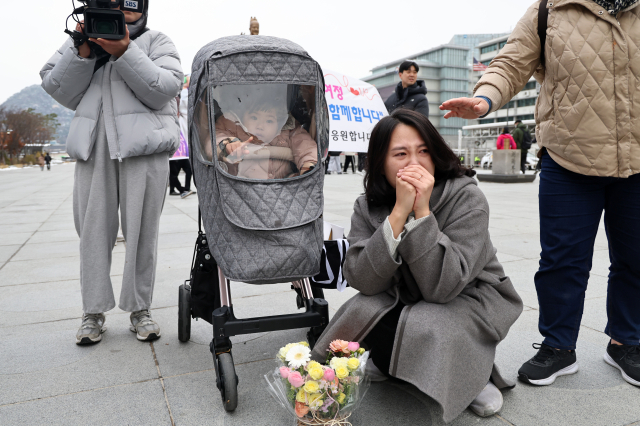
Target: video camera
<point>103,19</point>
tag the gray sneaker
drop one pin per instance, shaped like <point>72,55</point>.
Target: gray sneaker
<point>91,329</point>
<point>142,324</point>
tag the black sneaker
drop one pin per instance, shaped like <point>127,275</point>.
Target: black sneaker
<point>625,358</point>
<point>547,365</point>
<point>174,193</point>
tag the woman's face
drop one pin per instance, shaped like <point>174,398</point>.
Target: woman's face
<point>406,148</point>
<point>262,124</point>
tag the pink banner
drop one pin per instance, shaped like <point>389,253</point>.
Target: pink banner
<point>183,151</point>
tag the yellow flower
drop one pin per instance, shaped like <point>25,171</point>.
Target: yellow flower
<point>313,364</point>
<point>301,396</point>
<point>283,351</point>
<point>340,398</point>
<point>338,362</point>
<point>311,387</point>
<point>342,372</point>
<point>304,343</point>
<point>361,351</point>
<point>315,400</point>
<point>316,373</point>
<point>353,364</point>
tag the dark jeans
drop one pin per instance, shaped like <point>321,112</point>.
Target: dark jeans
<point>570,209</point>
<point>523,160</point>
<point>174,171</point>
<point>349,159</point>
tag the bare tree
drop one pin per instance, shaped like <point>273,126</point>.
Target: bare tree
<point>19,128</point>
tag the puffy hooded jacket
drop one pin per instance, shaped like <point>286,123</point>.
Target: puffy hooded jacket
<point>413,98</point>
<point>135,93</point>
<point>586,115</point>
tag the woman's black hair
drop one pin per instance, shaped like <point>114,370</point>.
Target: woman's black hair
<point>447,164</point>
<point>505,130</point>
<point>407,65</point>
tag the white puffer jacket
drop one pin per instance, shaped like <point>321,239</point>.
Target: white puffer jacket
<point>136,93</point>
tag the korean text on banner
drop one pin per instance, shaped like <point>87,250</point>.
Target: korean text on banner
<point>355,107</point>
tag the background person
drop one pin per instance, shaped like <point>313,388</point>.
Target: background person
<point>410,93</point>
<point>590,162</point>
<point>41,162</point>
<point>433,300</point>
<point>505,140</point>
<point>523,140</point>
<point>123,132</point>
<point>47,160</point>
<point>181,163</point>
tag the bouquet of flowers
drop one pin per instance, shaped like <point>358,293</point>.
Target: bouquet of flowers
<point>320,394</point>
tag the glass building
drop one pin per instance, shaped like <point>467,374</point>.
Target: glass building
<point>447,73</point>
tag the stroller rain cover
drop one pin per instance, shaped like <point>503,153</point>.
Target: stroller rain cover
<point>261,198</point>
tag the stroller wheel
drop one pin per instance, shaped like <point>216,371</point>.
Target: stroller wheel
<point>229,382</point>
<point>184,313</point>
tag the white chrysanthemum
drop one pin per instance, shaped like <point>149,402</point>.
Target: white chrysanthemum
<point>298,356</point>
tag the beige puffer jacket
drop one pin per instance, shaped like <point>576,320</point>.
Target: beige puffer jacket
<point>587,115</point>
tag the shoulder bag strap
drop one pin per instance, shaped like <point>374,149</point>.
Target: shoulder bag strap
<point>543,14</point>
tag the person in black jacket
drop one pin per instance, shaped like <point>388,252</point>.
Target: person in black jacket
<point>410,92</point>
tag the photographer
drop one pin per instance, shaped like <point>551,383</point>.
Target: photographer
<point>124,130</point>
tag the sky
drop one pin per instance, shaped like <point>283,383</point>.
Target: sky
<point>347,36</point>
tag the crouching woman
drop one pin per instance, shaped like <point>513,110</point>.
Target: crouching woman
<point>434,301</point>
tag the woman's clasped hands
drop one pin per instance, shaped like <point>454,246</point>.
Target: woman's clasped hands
<point>414,185</point>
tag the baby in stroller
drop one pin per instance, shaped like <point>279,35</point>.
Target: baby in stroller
<point>259,139</point>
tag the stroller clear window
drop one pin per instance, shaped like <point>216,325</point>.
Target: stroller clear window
<point>202,133</point>
<point>265,131</point>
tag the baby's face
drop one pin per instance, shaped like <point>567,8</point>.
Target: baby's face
<point>262,124</point>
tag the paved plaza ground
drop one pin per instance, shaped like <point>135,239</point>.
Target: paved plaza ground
<point>46,379</point>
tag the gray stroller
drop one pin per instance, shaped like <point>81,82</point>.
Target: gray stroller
<point>258,134</point>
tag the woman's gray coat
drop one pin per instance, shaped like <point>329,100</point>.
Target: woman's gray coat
<point>136,93</point>
<point>460,303</point>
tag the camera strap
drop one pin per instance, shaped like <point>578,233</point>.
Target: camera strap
<point>102,61</point>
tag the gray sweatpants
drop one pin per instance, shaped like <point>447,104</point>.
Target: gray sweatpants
<point>137,186</point>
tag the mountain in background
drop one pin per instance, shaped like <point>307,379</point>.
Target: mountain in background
<point>35,97</point>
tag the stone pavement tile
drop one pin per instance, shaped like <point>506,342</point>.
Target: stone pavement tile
<point>129,404</point>
<point>43,360</point>
<point>13,238</point>
<point>526,246</point>
<point>502,257</point>
<point>601,263</point>
<point>33,303</point>
<point>53,250</point>
<point>45,236</point>
<point>175,223</point>
<point>7,251</point>
<point>28,271</point>
<point>178,240</point>
<point>60,225</point>
<point>9,228</point>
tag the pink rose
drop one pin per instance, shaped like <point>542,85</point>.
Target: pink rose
<point>329,374</point>
<point>353,346</point>
<point>284,372</point>
<point>295,379</point>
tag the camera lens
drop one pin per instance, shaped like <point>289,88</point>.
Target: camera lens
<point>105,27</point>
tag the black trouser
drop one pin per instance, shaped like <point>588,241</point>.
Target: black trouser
<point>381,338</point>
<point>362,159</point>
<point>174,171</point>
<point>523,160</point>
<point>349,159</point>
